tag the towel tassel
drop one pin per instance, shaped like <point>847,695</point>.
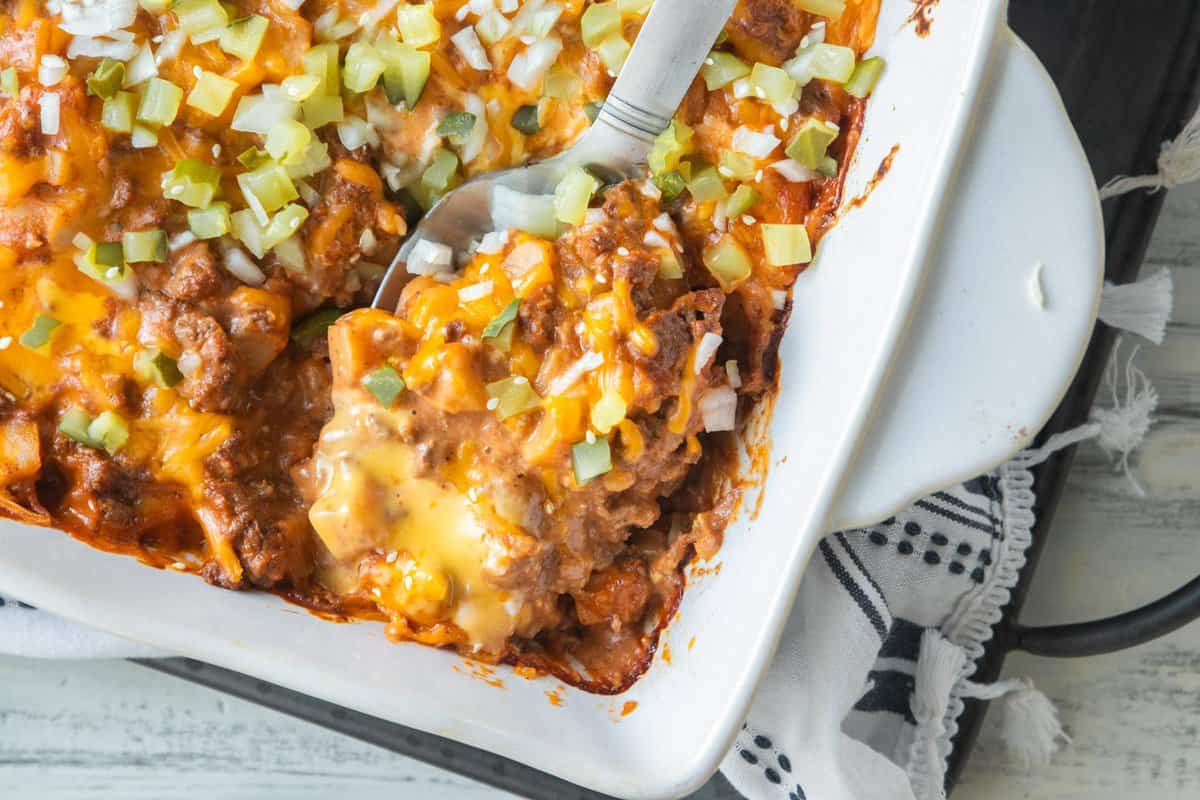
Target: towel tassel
<point>1143,307</point>
<point>1029,725</point>
<point>940,665</point>
<point>1029,722</point>
<point>1178,163</point>
<point>1120,429</point>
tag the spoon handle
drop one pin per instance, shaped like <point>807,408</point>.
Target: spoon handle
<point>674,41</point>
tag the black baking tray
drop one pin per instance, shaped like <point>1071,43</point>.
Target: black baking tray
<point>1129,75</point>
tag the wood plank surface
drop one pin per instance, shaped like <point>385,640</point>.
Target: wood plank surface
<point>1134,717</point>
<point>116,730</point>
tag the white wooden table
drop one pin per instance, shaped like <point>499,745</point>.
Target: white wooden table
<point>112,729</point>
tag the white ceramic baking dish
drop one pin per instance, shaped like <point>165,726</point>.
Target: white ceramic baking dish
<point>916,357</point>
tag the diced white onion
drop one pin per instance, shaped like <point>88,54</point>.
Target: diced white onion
<point>664,223</point>
<point>258,113</point>
<point>381,9</point>
<point>467,42</point>
<point>51,70</point>
<point>243,268</point>
<point>655,239</point>
<point>367,242</point>
<point>141,68</point>
<point>492,26</point>
<point>794,171</point>
<point>189,363</point>
<point>648,189</point>
<point>181,239</point>
<point>428,258</point>
<point>97,18</point>
<point>754,143</point>
<point>529,67</point>
<point>476,291</point>
<point>594,216</point>
<point>355,132</point>
<point>570,376</point>
<point>290,253</point>
<point>89,47</point>
<point>536,19</point>
<point>394,176</point>
<point>733,373</point>
<point>718,409</point>
<point>475,140</point>
<point>50,106</point>
<point>814,36</point>
<point>172,43</point>
<point>492,243</point>
<point>785,108</point>
<point>779,298</point>
<point>742,88</point>
<point>705,350</point>
<point>720,217</point>
<point>329,28</point>
<point>308,194</point>
<point>143,137</point>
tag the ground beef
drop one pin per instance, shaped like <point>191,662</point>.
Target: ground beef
<point>616,595</point>
<point>106,495</point>
<point>194,275</point>
<point>257,511</point>
<point>351,204</point>
<point>675,329</point>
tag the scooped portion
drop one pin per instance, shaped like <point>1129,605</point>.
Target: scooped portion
<point>499,440</point>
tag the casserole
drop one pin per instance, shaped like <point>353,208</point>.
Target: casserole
<point>735,619</point>
<point>514,464</point>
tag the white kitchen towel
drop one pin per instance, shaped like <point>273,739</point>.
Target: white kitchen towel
<point>834,719</point>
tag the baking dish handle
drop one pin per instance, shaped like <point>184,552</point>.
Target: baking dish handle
<point>1008,308</point>
<point>1111,634</point>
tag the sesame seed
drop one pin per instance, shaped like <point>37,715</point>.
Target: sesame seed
<point>376,592</point>
<point>591,437</point>
<point>622,251</point>
<point>492,403</point>
<point>5,342</point>
<point>392,556</point>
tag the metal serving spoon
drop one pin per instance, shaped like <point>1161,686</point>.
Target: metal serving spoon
<point>674,41</point>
